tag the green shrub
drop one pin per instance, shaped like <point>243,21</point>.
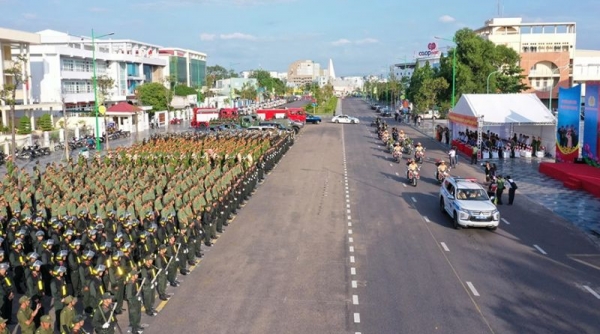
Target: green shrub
<point>45,122</point>
<point>24,125</point>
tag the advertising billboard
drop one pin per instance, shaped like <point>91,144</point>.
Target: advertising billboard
<point>591,125</point>
<point>567,128</point>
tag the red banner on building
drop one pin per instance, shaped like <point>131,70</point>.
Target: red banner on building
<point>463,119</point>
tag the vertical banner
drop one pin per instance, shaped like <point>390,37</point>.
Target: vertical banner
<point>567,127</point>
<point>591,125</point>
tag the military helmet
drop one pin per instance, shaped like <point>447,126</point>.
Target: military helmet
<point>59,270</point>
<point>40,233</point>
<point>36,264</point>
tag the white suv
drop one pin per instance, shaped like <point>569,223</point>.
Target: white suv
<point>468,204</point>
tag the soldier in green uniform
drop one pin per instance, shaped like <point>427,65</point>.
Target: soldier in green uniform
<point>134,302</point>
<point>46,326</point>
<point>3,326</point>
<point>58,288</point>
<point>67,315</point>
<point>104,320</point>
<point>148,274</point>
<point>26,315</point>
<point>117,276</point>
<point>78,323</point>
<point>161,263</point>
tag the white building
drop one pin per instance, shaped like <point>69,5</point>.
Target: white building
<point>62,68</point>
<point>304,71</point>
<point>586,67</point>
<point>547,50</point>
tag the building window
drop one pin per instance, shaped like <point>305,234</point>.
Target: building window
<point>67,65</point>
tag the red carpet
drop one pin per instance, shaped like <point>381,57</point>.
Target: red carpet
<point>574,176</point>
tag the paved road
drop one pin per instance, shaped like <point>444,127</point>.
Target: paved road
<point>333,242</point>
<point>477,281</point>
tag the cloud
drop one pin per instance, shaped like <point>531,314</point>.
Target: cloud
<point>238,35</point>
<point>446,19</point>
<point>339,42</point>
<point>344,41</point>
<point>366,41</point>
<point>98,9</point>
<point>29,16</point>
<point>207,37</point>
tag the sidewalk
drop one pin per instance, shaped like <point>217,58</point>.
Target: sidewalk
<point>579,207</point>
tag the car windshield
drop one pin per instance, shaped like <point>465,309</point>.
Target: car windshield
<point>472,195</point>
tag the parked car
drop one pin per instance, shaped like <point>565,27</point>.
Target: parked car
<point>386,112</point>
<point>430,114</point>
<point>468,204</point>
<point>310,118</point>
<point>345,119</point>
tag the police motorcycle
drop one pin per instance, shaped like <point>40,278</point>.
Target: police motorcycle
<point>413,175</point>
<point>397,152</point>
<point>440,176</point>
<point>376,121</point>
<point>407,146</point>
<point>420,155</point>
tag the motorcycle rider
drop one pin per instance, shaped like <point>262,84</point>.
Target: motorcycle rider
<point>442,168</point>
<point>419,150</point>
<point>397,150</point>
<point>412,167</point>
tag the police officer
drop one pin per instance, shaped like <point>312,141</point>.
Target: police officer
<point>46,326</point>
<point>161,263</point>
<point>68,314</point>
<point>58,287</point>
<point>148,273</point>
<point>104,320</point>
<point>7,292</point>
<point>26,316</point>
<point>134,302</point>
<point>117,275</point>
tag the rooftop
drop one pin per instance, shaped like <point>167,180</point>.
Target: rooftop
<point>17,36</point>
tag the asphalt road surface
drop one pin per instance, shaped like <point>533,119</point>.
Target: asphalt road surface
<point>334,241</point>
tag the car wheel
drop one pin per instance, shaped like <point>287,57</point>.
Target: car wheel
<point>442,205</point>
<point>337,121</point>
<point>353,122</point>
<point>455,221</point>
<point>318,122</point>
<point>493,228</point>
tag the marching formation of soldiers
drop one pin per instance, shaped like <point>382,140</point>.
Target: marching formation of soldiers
<point>91,234</point>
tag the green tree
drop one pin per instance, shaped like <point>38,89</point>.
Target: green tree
<point>105,86</point>
<point>154,94</point>
<point>24,125</point>
<point>428,95</point>
<point>9,92</point>
<point>248,92</point>
<point>183,90</point>
<point>216,72</point>
<point>44,123</point>
<point>418,79</point>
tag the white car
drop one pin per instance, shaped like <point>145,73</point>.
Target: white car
<point>468,204</point>
<point>345,119</point>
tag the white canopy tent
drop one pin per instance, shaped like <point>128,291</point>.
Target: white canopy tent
<point>505,115</point>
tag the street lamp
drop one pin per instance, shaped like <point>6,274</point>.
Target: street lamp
<point>488,81</point>
<point>552,86</point>
<point>453,40</point>
<point>95,82</point>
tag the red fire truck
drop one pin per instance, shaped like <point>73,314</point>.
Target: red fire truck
<point>203,116</point>
<point>294,114</point>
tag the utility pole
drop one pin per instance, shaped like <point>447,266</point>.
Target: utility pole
<point>66,123</point>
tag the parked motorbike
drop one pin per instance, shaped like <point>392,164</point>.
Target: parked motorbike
<point>413,176</point>
<point>41,150</point>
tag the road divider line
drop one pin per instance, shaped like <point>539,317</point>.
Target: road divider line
<point>349,224</point>
<point>351,249</point>
<point>426,219</point>
<point>349,217</point>
<point>349,231</point>
<point>348,211</point>
<point>414,199</point>
<point>404,185</point>
<point>347,201</point>
<point>350,239</point>
<point>347,205</point>
<point>590,290</point>
<point>352,259</point>
<point>473,290</point>
<point>540,249</point>
<point>354,284</point>
<point>357,318</point>
<point>353,271</point>
<point>391,165</point>
<point>445,247</point>
<point>505,221</point>
<point>355,299</point>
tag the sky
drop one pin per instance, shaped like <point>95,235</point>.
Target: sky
<point>362,37</point>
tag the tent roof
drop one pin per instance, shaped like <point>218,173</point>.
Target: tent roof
<point>124,107</point>
<point>505,108</point>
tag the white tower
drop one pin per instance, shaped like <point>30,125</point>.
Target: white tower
<point>330,70</point>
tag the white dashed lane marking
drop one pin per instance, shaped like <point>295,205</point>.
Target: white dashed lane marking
<point>473,290</point>
<point>414,199</point>
<point>349,231</point>
<point>352,259</point>
<point>505,221</point>
<point>445,247</point>
<point>351,249</point>
<point>354,284</point>
<point>349,224</point>
<point>426,219</point>
<point>350,239</point>
<point>357,318</point>
<point>355,299</point>
<point>353,271</point>
<point>540,249</point>
<point>590,290</point>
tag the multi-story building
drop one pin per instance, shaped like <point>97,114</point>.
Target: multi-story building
<point>302,72</point>
<point>14,43</point>
<point>62,68</point>
<point>586,67</point>
<point>547,51</point>
<point>185,67</point>
<point>228,87</point>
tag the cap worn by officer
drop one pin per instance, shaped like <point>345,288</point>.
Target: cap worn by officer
<point>46,318</point>
<point>23,299</point>
<point>69,299</point>
<point>4,266</point>
<point>2,320</point>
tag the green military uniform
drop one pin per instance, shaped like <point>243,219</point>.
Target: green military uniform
<point>148,272</point>
<point>134,301</point>
<point>66,316</point>
<point>25,318</point>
